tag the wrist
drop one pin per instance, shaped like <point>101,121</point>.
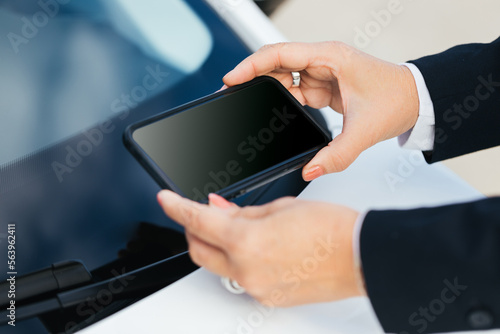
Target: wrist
<point>353,285</point>
<point>358,269</point>
<point>358,288</point>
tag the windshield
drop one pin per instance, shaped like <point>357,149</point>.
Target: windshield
<point>74,74</point>
<point>65,67</point>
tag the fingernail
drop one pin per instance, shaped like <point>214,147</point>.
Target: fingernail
<point>219,201</point>
<point>313,173</point>
<point>222,88</point>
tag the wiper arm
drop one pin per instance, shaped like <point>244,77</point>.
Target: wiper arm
<point>133,284</point>
<point>60,276</point>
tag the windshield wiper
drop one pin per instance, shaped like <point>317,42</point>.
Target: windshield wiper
<point>133,284</point>
<point>59,277</point>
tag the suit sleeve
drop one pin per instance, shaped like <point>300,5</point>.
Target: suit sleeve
<point>435,269</point>
<point>464,84</point>
<point>438,269</point>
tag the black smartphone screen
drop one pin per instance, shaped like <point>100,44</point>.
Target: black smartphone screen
<point>229,138</point>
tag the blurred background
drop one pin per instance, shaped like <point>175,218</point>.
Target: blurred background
<point>420,28</point>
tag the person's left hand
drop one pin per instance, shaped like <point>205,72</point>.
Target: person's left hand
<point>285,253</point>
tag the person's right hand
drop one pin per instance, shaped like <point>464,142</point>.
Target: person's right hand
<point>379,100</point>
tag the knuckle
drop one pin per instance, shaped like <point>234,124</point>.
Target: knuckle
<point>265,47</point>
<point>338,44</point>
<point>281,46</point>
<point>273,46</point>
<point>253,66</point>
<point>345,51</point>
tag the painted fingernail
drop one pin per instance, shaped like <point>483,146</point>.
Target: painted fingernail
<point>313,173</point>
<point>222,88</point>
<point>219,201</point>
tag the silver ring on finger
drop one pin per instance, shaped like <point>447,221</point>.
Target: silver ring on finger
<point>296,79</point>
<point>232,286</point>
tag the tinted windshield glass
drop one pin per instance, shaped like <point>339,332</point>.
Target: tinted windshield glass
<point>66,67</point>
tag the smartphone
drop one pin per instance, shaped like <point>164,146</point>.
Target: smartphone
<point>228,143</point>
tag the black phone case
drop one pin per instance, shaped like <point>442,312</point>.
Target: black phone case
<point>241,187</point>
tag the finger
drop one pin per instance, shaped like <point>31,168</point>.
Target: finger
<point>220,202</point>
<point>180,209</point>
<point>212,225</point>
<point>281,56</point>
<point>248,212</point>
<point>288,57</point>
<point>336,157</point>
<point>210,257</point>
<point>261,211</point>
<point>285,78</point>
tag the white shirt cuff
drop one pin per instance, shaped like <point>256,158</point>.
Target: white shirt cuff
<point>421,137</point>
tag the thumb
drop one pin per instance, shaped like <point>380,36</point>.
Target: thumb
<point>336,157</point>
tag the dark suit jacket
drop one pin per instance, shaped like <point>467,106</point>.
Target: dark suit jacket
<point>438,269</point>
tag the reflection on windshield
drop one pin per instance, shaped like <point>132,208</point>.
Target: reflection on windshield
<point>65,67</point>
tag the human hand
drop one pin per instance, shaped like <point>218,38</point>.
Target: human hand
<point>378,100</point>
<point>285,253</point>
